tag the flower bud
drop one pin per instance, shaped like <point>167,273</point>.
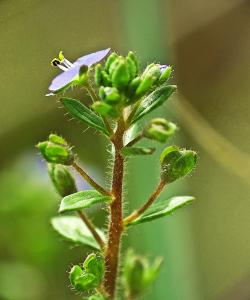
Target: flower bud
<point>94,264</point>
<point>160,130</point>
<point>139,274</point>
<point>145,85</point>
<point>132,56</point>
<point>132,67</point>
<point>104,109</point>
<point>101,77</point>
<point>62,179</point>
<point>109,94</point>
<point>98,75</point>
<point>56,150</point>
<point>177,163</point>
<point>90,276</point>
<point>120,75</point>
<point>132,88</point>
<point>81,280</point>
<point>166,72</point>
<point>152,70</point>
<point>112,57</point>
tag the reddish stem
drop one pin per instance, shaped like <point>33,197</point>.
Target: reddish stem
<point>116,217</point>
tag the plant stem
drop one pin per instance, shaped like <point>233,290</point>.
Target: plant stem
<point>90,180</point>
<point>137,213</point>
<point>116,217</point>
<point>92,229</point>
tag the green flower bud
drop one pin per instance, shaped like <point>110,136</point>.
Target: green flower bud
<point>112,57</point>
<point>105,79</point>
<point>101,77</point>
<point>98,75</point>
<point>81,280</point>
<point>145,85</point>
<point>152,70</point>
<point>62,179</point>
<point>177,163</point>
<point>159,130</point>
<point>120,76</point>
<point>132,67</point>
<point>56,150</point>
<point>139,274</point>
<point>109,94</point>
<point>94,264</point>
<point>104,109</point>
<point>90,276</point>
<point>166,74</point>
<point>54,138</point>
<point>132,56</point>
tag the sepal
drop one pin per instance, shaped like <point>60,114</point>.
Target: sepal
<point>90,275</point>
<point>56,150</point>
<point>177,163</point>
<point>139,274</point>
<point>62,179</point>
<point>160,130</point>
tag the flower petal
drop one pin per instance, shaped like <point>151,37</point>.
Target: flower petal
<point>92,58</point>
<point>67,76</point>
<point>162,68</point>
<point>64,78</point>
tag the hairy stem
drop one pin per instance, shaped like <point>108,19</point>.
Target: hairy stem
<point>90,180</point>
<point>92,229</point>
<point>116,217</point>
<point>137,213</point>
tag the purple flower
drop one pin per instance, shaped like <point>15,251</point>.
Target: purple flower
<point>163,68</point>
<point>71,70</point>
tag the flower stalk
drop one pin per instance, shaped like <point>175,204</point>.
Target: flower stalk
<point>137,213</point>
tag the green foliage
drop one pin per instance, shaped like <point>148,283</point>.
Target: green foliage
<point>84,114</point>
<point>162,208</point>
<point>62,179</point>
<point>152,101</point>
<point>122,96</point>
<point>83,199</point>
<point>89,276</point>
<point>176,163</point>
<point>139,274</point>
<point>74,230</point>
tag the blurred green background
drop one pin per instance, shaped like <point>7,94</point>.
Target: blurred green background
<point>207,245</point>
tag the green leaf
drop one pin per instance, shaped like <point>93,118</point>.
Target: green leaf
<point>152,101</point>
<point>83,199</point>
<point>131,133</point>
<point>162,208</point>
<point>73,229</point>
<point>132,151</point>
<point>84,114</point>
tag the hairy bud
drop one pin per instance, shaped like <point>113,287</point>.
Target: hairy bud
<point>177,163</point>
<point>56,150</point>
<point>90,275</point>
<point>62,179</point>
<point>160,130</point>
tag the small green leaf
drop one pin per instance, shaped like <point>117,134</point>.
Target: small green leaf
<point>162,208</point>
<point>73,229</point>
<point>152,101</point>
<point>132,151</point>
<point>84,114</point>
<point>82,199</point>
